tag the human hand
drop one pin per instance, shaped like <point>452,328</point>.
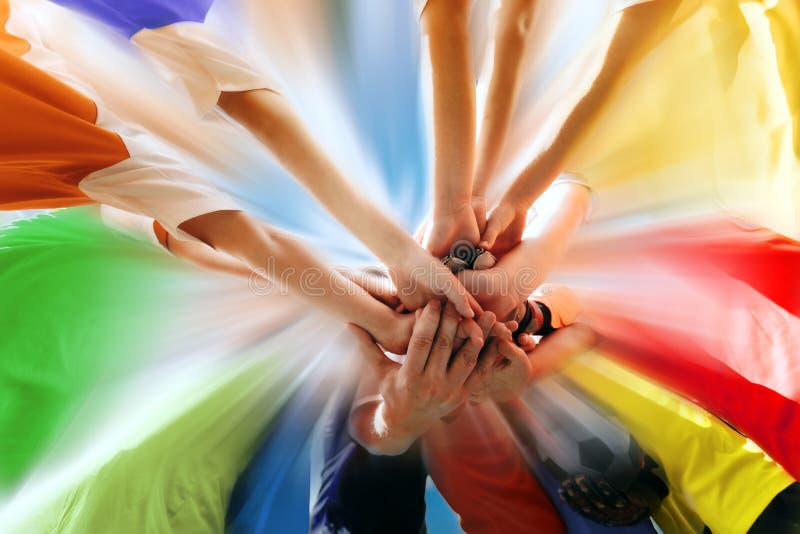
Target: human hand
<point>394,334</point>
<point>377,283</point>
<point>448,228</point>
<point>505,227</point>
<point>429,384</point>
<point>503,373</point>
<point>505,370</point>
<point>503,287</point>
<point>420,278</point>
<point>479,208</point>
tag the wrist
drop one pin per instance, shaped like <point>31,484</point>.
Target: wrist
<point>451,207</point>
<point>478,196</point>
<point>378,319</point>
<point>396,426</point>
<point>393,245</point>
<point>517,198</point>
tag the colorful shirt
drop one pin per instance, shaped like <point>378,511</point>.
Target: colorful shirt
<point>192,53</point>
<point>131,16</point>
<point>713,471</point>
<point>55,153</point>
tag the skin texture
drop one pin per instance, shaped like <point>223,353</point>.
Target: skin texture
<point>419,278</point>
<point>283,260</point>
<point>446,365</point>
<point>443,355</point>
<point>518,367</point>
<point>639,28</point>
<point>514,19</point>
<point>445,26</point>
<point>503,288</point>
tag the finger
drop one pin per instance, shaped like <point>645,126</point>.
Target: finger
<point>511,325</point>
<point>419,236</point>
<point>422,336</point>
<point>526,342</point>
<point>414,301</point>
<point>463,363</point>
<point>460,297</point>
<point>474,305</point>
<point>494,227</point>
<point>557,349</point>
<point>366,345</point>
<point>467,329</point>
<point>500,331</point>
<point>443,343</point>
<point>486,321</point>
<point>379,287</point>
<point>483,369</point>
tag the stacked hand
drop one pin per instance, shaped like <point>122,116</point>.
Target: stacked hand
<point>505,227</point>
<point>443,366</point>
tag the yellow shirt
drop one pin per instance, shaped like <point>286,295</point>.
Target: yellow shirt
<point>716,476</point>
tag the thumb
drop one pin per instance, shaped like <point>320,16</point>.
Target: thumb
<point>498,222</point>
<point>465,304</point>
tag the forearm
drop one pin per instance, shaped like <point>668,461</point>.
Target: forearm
<point>289,266</point>
<point>208,258</point>
<point>368,426</point>
<point>639,28</point>
<point>558,349</point>
<point>270,118</point>
<point>511,36</point>
<point>446,25</point>
<point>548,238</point>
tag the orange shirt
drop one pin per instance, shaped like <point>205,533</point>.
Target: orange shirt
<point>479,470</point>
<point>48,137</point>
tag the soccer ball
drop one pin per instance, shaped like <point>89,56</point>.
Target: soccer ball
<point>573,436</point>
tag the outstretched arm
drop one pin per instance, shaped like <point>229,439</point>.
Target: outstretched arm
<point>514,21</point>
<point>445,23</point>
<point>502,288</point>
<point>640,26</point>
<point>297,270</point>
<point>270,118</point>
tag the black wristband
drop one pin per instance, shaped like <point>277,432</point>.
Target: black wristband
<point>525,322</point>
<point>547,321</point>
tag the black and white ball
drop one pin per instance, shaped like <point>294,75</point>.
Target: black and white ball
<point>573,436</point>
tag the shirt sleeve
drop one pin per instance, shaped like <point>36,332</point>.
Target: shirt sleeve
<point>202,62</point>
<point>153,182</point>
